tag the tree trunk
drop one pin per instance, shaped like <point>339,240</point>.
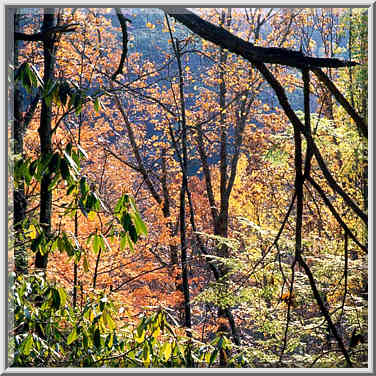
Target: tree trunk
<point>19,200</point>
<point>45,133</point>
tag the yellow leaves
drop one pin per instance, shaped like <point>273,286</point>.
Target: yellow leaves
<point>166,351</point>
<point>150,25</point>
<point>91,216</point>
<point>33,232</point>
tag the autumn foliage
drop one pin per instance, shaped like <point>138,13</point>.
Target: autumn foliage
<point>192,222</point>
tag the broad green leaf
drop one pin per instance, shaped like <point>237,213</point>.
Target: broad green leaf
<point>72,336</point>
<point>82,208</point>
<point>130,243</point>
<point>97,338</point>
<point>36,73</point>
<point>32,77</point>
<point>96,104</point>
<point>28,345</point>
<point>48,89</point>
<point>119,205</point>
<point>126,221</point>
<point>35,244</point>
<point>133,233</point>
<point>64,169</point>
<point>91,215</point>
<point>71,162</point>
<point>33,167</point>
<point>213,356</point>
<point>76,157</point>
<point>123,240</point>
<point>68,246</point>
<point>166,351</point>
<point>133,204</point>
<point>101,242</point>
<point>56,301</point>
<point>108,320</point>
<point>140,225</point>
<point>105,243</point>
<point>54,163</point>
<point>33,232</point>
<point>96,243</point>
<point>63,296</point>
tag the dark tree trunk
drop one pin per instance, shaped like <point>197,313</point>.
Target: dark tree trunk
<point>45,133</point>
<point>19,200</point>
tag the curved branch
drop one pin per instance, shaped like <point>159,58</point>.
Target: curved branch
<point>249,51</point>
<point>335,214</point>
<point>359,121</point>
<point>282,98</point>
<point>123,23</point>
<point>258,56</point>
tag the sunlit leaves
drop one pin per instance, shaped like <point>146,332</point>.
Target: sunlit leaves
<point>130,221</point>
<point>28,76</point>
<point>72,336</point>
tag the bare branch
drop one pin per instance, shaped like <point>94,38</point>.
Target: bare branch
<point>249,51</point>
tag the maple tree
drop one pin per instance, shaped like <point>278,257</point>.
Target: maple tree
<point>195,163</point>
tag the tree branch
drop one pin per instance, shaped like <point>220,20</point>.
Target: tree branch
<point>123,23</point>
<point>335,214</point>
<point>41,36</point>
<point>282,98</point>
<point>258,56</point>
<point>359,121</point>
<point>249,51</point>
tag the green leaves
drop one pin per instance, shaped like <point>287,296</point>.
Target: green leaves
<point>130,220</point>
<point>166,351</point>
<point>276,156</point>
<point>83,186</point>
<point>28,76</point>
<point>22,171</point>
<point>38,244</point>
<point>63,296</point>
<point>97,338</point>
<point>99,242</point>
<point>72,336</point>
<point>139,223</point>
<point>91,333</point>
<point>64,169</point>
<point>126,221</point>
<point>27,345</point>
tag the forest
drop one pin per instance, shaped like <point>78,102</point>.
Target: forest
<point>188,188</point>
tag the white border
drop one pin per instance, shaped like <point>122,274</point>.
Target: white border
<point>192,4</point>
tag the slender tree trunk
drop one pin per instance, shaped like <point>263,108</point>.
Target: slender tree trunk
<point>166,208</point>
<point>183,192</point>
<point>45,133</point>
<point>19,200</point>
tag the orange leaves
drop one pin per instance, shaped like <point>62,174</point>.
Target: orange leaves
<point>288,299</point>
